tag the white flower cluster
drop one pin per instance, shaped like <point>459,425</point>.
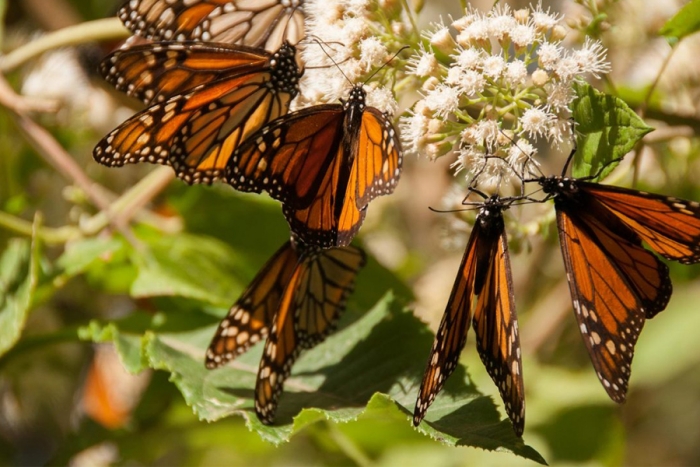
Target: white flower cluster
<point>492,85</point>
<point>348,41</point>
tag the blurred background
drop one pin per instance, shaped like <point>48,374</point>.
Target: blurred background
<point>68,401</point>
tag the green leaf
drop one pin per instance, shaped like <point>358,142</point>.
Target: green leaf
<point>129,346</point>
<point>189,266</point>
<point>607,129</point>
<point>129,334</point>
<point>80,255</point>
<point>18,280</point>
<point>252,241</point>
<point>372,366</point>
<point>684,23</point>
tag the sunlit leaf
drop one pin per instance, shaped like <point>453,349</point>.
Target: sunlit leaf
<point>606,129</point>
<point>18,280</point>
<point>128,345</point>
<point>374,364</point>
<point>189,266</point>
<point>683,23</point>
<point>79,255</point>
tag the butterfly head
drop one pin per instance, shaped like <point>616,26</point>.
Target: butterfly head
<point>356,99</point>
<point>558,186</point>
<point>491,210</point>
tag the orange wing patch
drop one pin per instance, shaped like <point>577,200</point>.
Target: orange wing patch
<point>615,285</point>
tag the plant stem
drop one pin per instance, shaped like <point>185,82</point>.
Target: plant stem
<point>47,235</point>
<point>99,30</point>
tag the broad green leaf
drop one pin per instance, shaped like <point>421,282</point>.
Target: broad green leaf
<point>128,334</point>
<point>80,255</point>
<point>684,23</point>
<point>189,266</point>
<point>606,128</point>
<point>372,366</point>
<point>18,280</point>
<point>251,224</point>
<point>128,346</point>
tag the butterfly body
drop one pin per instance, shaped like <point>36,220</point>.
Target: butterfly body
<point>325,163</point>
<point>482,294</point>
<point>205,100</point>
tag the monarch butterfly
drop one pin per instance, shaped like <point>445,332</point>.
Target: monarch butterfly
<point>256,23</point>
<point>205,99</point>
<point>325,163</point>
<point>615,283</point>
<point>485,277</point>
<point>294,302</point>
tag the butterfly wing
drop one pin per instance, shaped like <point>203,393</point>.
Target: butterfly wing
<point>312,303</point>
<point>452,333</point>
<point>614,283</point>
<point>335,216</point>
<point>256,23</point>
<point>324,166</point>
<point>496,328</point>
<point>249,319</point>
<point>197,132</point>
<point>155,72</point>
<point>378,160</point>
<point>299,160</point>
<point>290,157</point>
<point>670,226</point>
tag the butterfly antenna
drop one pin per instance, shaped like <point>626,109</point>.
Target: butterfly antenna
<point>447,211</point>
<point>386,63</point>
<point>320,43</point>
<point>573,149</point>
<point>471,190</point>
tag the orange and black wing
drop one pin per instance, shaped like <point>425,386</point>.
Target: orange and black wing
<point>249,319</point>
<point>615,285</point>
<point>452,333</point>
<point>670,226</point>
<point>336,214</point>
<point>299,160</point>
<point>378,160</point>
<point>256,23</point>
<point>324,168</point>
<point>311,305</point>
<point>293,158</point>
<point>154,72</point>
<point>485,275</point>
<point>496,327</point>
<point>197,132</point>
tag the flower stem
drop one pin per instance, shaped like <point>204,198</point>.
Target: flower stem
<point>98,30</point>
